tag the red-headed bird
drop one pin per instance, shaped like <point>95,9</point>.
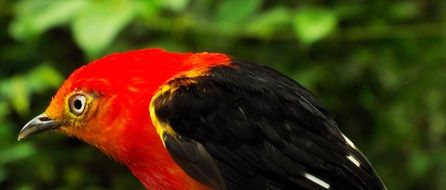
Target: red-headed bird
<point>205,121</point>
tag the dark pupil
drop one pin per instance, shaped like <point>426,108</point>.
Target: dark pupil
<point>77,104</point>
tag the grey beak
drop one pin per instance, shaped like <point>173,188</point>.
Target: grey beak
<point>38,124</point>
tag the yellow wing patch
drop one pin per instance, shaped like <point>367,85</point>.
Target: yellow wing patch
<point>161,127</point>
<point>185,78</point>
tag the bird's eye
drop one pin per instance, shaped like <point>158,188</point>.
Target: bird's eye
<point>77,104</point>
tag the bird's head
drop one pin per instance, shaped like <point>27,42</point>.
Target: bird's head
<point>92,106</point>
<point>106,102</point>
<point>79,110</point>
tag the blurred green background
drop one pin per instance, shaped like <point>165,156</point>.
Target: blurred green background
<point>379,65</point>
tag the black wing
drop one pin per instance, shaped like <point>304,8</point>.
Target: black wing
<point>259,130</point>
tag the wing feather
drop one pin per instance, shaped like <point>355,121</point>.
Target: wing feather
<point>262,130</point>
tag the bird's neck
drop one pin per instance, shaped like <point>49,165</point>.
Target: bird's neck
<point>145,154</point>
<point>150,162</point>
<point>128,135</point>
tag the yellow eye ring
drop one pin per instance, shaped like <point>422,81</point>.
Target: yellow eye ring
<point>77,104</point>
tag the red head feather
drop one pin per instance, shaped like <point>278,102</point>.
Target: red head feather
<point>118,120</point>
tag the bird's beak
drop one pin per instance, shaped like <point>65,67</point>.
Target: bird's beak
<point>38,124</point>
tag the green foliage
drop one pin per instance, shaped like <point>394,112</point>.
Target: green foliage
<point>269,22</point>
<point>35,17</point>
<point>313,24</point>
<point>97,24</point>
<point>378,65</point>
<point>175,5</point>
<point>235,11</point>
<point>94,23</point>
<point>18,89</point>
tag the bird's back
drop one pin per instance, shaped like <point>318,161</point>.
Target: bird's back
<point>257,129</point>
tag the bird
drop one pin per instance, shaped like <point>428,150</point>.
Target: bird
<point>205,121</point>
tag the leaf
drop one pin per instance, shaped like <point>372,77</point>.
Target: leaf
<point>405,10</point>
<point>314,24</point>
<point>175,5</point>
<point>35,17</point>
<point>42,78</point>
<point>419,163</point>
<point>16,152</point>
<point>269,22</point>
<point>148,9</point>
<point>19,88</point>
<point>236,11</point>
<point>17,93</point>
<point>4,110</point>
<point>99,23</point>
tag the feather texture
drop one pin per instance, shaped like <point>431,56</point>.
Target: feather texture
<point>264,131</point>
<point>204,120</point>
